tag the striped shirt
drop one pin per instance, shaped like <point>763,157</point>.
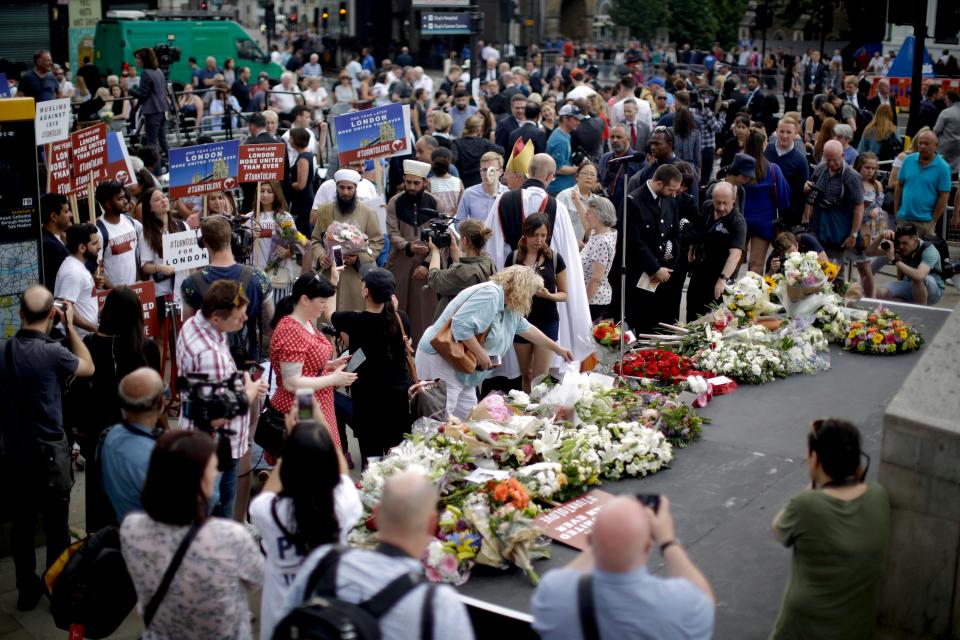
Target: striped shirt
<point>201,348</point>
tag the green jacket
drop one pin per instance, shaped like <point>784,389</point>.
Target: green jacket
<point>447,283</point>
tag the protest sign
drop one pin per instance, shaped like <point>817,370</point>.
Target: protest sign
<point>147,292</point>
<point>52,123</point>
<point>118,165</point>
<point>261,162</point>
<point>182,251</point>
<point>89,157</point>
<point>205,168</point>
<point>58,167</point>
<point>572,522</point>
<point>373,133</point>
<point>4,86</point>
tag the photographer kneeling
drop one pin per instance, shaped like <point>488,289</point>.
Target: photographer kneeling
<point>918,266</point>
<point>202,349</point>
<point>470,265</point>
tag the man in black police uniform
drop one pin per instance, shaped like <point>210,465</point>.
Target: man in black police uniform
<point>715,257</point>
<point>653,244</point>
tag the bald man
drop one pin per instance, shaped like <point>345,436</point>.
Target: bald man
<point>124,456</point>
<point>837,210</point>
<point>629,602</point>
<point>406,520</point>
<point>715,257</point>
<point>33,369</point>
<point>923,186</point>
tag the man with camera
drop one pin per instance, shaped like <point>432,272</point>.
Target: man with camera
<point>202,348</point>
<point>611,577</point>
<point>834,206</point>
<point>35,464</point>
<point>919,279</point>
<point>412,220</point>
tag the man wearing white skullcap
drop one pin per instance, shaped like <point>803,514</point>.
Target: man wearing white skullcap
<point>347,207</point>
<point>408,213</point>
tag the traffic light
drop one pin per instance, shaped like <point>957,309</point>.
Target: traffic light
<point>343,14</point>
<point>293,19</point>
<point>203,5</point>
<point>325,17</point>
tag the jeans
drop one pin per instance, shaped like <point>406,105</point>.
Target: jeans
<point>903,290</point>
<point>228,491</point>
<point>460,398</point>
<point>54,506</point>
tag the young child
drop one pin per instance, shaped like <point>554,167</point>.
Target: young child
<point>874,217</point>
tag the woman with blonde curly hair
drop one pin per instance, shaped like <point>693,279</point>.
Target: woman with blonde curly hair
<point>484,319</point>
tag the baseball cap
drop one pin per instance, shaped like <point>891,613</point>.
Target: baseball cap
<point>744,165</point>
<point>570,110</point>
<point>380,283</point>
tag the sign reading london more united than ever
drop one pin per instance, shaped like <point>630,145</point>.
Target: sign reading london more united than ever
<point>203,169</point>
<point>373,133</point>
<point>89,156</point>
<point>261,162</point>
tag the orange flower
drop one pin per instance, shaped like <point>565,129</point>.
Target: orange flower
<point>501,492</point>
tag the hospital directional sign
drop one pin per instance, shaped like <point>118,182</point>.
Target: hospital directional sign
<point>444,24</point>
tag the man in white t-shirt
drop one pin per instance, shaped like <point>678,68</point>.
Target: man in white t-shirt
<point>74,282</point>
<point>119,233</point>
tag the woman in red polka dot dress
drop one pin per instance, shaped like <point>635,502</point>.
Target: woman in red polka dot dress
<point>301,354</point>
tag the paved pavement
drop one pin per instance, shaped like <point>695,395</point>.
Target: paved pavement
<point>725,490</point>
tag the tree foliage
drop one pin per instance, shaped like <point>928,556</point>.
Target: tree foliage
<point>698,23</point>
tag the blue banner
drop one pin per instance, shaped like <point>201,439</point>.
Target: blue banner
<point>373,133</point>
<point>205,168</point>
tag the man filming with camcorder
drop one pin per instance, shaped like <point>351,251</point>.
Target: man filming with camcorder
<point>216,404</point>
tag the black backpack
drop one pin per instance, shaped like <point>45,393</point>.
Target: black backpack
<point>323,616</point>
<point>946,264</point>
<point>93,588</point>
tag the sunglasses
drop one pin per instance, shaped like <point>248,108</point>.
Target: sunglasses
<point>661,97</point>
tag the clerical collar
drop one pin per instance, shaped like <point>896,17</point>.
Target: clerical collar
<point>533,182</point>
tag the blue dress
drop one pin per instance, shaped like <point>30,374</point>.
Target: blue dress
<point>763,200</point>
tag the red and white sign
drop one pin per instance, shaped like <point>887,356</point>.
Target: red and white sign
<point>261,162</point>
<point>572,522</point>
<point>89,156</point>
<point>58,167</point>
<point>147,292</point>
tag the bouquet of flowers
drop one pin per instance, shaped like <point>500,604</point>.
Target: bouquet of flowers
<point>351,240</point>
<point>801,348</point>
<point>752,362</point>
<point>832,319</point>
<point>607,333</point>
<point>632,449</point>
<point>543,479</point>
<point>830,270</point>
<point>450,556</point>
<point>882,333</point>
<point>658,364</point>
<point>803,275</point>
<point>285,236</point>
<point>748,298</point>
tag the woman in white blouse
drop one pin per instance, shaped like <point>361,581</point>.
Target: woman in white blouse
<point>207,597</point>
<point>597,255</point>
<point>308,501</point>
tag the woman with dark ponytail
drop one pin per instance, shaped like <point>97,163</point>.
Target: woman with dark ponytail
<point>300,354</point>
<point>308,501</point>
<point>380,411</point>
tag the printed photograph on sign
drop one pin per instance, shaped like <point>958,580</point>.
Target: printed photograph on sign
<point>373,133</point>
<point>119,167</point>
<point>205,168</point>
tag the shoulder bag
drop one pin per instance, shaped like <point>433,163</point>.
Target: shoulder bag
<point>458,356</point>
<point>151,609</point>
<point>271,425</point>
<point>407,349</point>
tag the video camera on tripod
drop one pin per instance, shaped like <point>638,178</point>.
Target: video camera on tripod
<point>439,227</point>
<point>167,54</point>
<point>206,402</point>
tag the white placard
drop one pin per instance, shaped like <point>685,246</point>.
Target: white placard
<point>52,122</point>
<point>181,250</point>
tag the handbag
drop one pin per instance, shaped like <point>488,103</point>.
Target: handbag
<point>428,399</point>
<point>458,356</point>
<point>151,609</point>
<point>408,350</point>
<point>271,426</point>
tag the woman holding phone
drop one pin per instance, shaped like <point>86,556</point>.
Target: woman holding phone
<point>301,354</point>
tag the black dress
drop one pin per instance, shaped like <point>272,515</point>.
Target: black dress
<point>543,312</point>
<point>302,201</point>
<point>381,414</point>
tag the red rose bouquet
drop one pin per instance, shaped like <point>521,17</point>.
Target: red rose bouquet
<point>659,364</point>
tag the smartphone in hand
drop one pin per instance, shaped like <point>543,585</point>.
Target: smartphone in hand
<point>337,256</point>
<point>651,500</point>
<point>304,404</point>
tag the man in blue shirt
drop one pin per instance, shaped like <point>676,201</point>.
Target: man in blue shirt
<point>477,200</point>
<point>923,186</point>
<point>558,147</point>
<point>39,83</point>
<point>125,453</point>
<point>615,566</point>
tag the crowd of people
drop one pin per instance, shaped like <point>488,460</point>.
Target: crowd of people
<point>487,253</point>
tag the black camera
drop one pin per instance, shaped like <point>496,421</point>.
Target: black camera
<point>241,238</point>
<point>705,99</point>
<point>886,245</point>
<point>166,54</point>
<point>438,229</point>
<point>577,157</point>
<point>206,401</point>
<point>814,196</point>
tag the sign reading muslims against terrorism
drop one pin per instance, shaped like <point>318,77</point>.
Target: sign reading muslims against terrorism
<point>203,169</point>
<point>572,522</point>
<point>89,156</point>
<point>52,122</point>
<point>373,133</point>
<point>261,162</point>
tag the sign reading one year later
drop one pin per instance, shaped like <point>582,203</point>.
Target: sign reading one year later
<point>181,250</point>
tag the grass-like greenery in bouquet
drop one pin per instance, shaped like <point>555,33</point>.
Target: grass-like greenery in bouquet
<point>882,333</point>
